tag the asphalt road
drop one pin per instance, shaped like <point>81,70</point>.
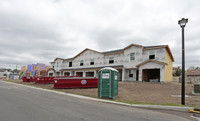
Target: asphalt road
<point>19,103</point>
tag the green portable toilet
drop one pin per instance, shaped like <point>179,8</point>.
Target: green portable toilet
<point>107,83</point>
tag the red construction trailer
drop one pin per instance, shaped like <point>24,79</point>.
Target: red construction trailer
<point>75,82</point>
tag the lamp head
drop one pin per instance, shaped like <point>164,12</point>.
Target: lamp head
<point>182,22</point>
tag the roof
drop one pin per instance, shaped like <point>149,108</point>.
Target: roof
<point>4,69</point>
<point>58,58</point>
<point>84,51</point>
<point>154,61</point>
<point>51,69</point>
<point>113,51</point>
<point>61,59</point>
<point>152,47</point>
<point>68,59</point>
<point>193,73</point>
<point>131,46</point>
<point>122,50</point>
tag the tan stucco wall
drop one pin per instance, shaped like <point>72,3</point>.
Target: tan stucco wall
<point>168,67</point>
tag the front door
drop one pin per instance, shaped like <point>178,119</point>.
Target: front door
<point>137,75</point>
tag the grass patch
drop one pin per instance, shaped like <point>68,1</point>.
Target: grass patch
<point>194,101</point>
<point>151,103</point>
<point>133,102</point>
<point>172,104</point>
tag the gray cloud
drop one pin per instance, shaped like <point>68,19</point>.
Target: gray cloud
<point>39,31</point>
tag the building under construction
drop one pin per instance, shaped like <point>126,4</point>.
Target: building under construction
<point>38,69</point>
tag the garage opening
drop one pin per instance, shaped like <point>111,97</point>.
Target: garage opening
<point>151,75</point>
<point>50,74</point>
<point>89,74</point>
<point>66,74</point>
<point>79,74</point>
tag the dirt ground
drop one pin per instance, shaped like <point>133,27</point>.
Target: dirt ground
<point>138,93</point>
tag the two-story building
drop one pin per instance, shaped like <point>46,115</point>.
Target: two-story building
<point>134,63</point>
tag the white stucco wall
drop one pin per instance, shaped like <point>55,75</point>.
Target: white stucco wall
<point>58,65</point>
<point>118,60</point>
<point>86,57</point>
<point>159,55</point>
<point>138,57</point>
<point>51,71</point>
<point>101,60</point>
<point>127,78</point>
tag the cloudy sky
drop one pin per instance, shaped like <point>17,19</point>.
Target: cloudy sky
<point>34,31</point>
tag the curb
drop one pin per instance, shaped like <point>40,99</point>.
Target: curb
<point>196,115</point>
<point>174,108</point>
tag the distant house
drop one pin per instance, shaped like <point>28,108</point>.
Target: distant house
<point>14,74</point>
<point>193,76</point>
<point>176,71</point>
<point>134,63</point>
<point>5,72</point>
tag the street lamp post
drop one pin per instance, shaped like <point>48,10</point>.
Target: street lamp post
<point>182,23</point>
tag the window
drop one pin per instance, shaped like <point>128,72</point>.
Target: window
<point>50,74</point>
<point>92,62</point>
<point>89,74</point>
<point>70,64</point>
<point>81,63</point>
<point>151,54</point>
<point>132,56</point>
<point>111,60</point>
<point>130,73</point>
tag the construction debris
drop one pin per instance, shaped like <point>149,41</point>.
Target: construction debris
<point>194,111</point>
